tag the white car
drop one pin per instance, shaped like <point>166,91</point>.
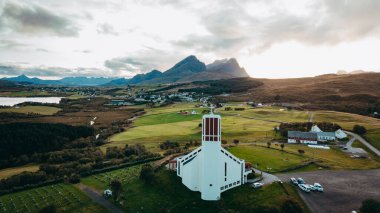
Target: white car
<point>294,181</point>
<point>303,187</point>
<point>257,185</point>
<point>300,181</point>
<point>318,187</point>
<point>312,187</point>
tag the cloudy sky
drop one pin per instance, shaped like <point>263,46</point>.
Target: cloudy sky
<point>121,38</point>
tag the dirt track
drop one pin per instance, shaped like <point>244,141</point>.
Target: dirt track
<point>344,190</point>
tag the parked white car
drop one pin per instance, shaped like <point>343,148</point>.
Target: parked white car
<point>293,181</point>
<point>303,187</point>
<point>318,187</point>
<point>257,185</point>
<point>311,187</point>
<point>300,181</point>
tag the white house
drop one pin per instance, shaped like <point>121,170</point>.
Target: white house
<point>340,134</point>
<point>326,136</point>
<point>210,169</point>
<point>302,137</point>
<point>315,128</point>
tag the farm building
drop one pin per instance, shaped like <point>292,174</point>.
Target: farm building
<point>326,136</point>
<point>340,134</point>
<point>210,169</point>
<point>315,128</point>
<point>302,137</point>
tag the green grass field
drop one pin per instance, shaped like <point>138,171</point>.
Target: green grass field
<point>249,125</point>
<point>43,110</point>
<point>4,173</point>
<point>274,160</point>
<point>65,197</point>
<point>101,181</point>
<point>168,194</point>
<point>267,159</point>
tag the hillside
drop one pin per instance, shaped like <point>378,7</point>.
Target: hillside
<point>359,93</point>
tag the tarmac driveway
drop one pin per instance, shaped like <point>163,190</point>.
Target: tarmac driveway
<point>344,190</point>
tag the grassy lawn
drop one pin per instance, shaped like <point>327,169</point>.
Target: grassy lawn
<point>43,110</point>
<point>4,173</point>
<point>249,125</point>
<point>168,194</point>
<point>267,159</point>
<point>273,160</point>
<point>65,197</point>
<point>101,181</point>
<point>334,158</point>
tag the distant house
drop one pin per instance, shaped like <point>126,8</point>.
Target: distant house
<point>120,103</point>
<point>194,112</point>
<point>322,136</point>
<point>326,136</point>
<point>340,134</point>
<point>302,137</point>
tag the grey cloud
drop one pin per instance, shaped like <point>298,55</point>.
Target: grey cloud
<point>18,69</point>
<point>34,19</point>
<point>232,27</point>
<point>126,64</point>
<point>144,61</point>
<point>106,29</point>
<point>42,50</point>
<point>9,44</point>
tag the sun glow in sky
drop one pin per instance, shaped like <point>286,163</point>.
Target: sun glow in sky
<point>121,38</point>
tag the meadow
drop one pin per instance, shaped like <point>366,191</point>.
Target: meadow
<point>4,173</point>
<point>42,110</point>
<point>65,197</point>
<point>274,160</point>
<point>168,194</point>
<point>249,125</point>
<point>101,181</point>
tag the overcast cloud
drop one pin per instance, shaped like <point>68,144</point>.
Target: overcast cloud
<point>270,38</point>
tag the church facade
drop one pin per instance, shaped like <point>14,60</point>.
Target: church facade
<point>211,169</point>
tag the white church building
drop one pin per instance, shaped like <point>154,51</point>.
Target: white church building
<point>210,169</point>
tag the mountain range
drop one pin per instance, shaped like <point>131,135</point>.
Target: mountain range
<point>187,70</point>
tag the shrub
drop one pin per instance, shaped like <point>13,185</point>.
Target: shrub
<point>236,141</point>
<point>370,206</point>
<point>361,130</point>
<point>48,209</point>
<point>147,173</point>
<point>290,206</point>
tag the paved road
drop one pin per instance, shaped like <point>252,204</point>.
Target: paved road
<point>267,178</point>
<point>359,138</point>
<point>311,117</point>
<point>354,150</point>
<point>344,190</point>
<point>98,198</point>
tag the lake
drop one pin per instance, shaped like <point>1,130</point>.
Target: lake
<point>11,101</point>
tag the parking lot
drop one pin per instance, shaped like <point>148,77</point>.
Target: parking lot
<point>343,190</point>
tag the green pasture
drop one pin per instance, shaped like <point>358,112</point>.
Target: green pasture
<point>101,181</point>
<point>65,197</point>
<point>267,159</point>
<point>168,194</point>
<point>42,110</point>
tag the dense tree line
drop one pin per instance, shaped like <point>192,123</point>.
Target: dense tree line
<point>224,86</point>
<point>27,138</point>
<point>69,164</point>
<point>306,127</point>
